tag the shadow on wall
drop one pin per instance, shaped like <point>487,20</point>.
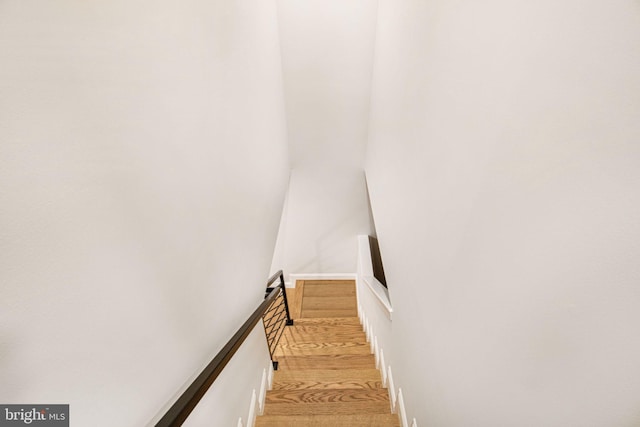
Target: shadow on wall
<point>327,209</point>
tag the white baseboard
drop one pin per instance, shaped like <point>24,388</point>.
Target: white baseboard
<point>396,399</point>
<point>263,392</point>
<point>381,366</point>
<point>391,387</point>
<point>270,377</point>
<point>253,409</point>
<point>256,407</point>
<point>402,412</point>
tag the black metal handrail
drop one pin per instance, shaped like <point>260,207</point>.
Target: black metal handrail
<point>280,275</point>
<point>180,410</point>
<point>277,316</point>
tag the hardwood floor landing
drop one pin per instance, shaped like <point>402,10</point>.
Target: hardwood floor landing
<point>328,299</point>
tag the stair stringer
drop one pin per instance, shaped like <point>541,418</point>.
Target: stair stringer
<point>396,397</point>
<point>376,316</point>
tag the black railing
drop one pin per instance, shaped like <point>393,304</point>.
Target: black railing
<point>277,315</point>
<point>180,410</point>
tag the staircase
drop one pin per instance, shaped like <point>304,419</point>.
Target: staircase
<point>326,373</point>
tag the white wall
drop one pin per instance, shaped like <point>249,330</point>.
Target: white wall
<point>277,262</point>
<point>326,210</point>
<point>233,388</point>
<point>143,164</point>
<point>327,57</point>
<point>327,54</point>
<point>503,167</point>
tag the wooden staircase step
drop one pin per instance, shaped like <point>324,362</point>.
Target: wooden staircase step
<point>321,348</point>
<point>328,313</point>
<point>360,420</point>
<point>329,321</point>
<point>291,334</point>
<point>326,402</point>
<point>304,334</point>
<point>325,288</point>
<point>346,290</point>
<point>327,396</point>
<point>328,303</point>
<point>328,408</point>
<point>329,300</point>
<point>335,361</point>
<point>327,379</point>
<point>330,282</point>
<point>326,328</point>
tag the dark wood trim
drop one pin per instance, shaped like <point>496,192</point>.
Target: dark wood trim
<point>376,261</point>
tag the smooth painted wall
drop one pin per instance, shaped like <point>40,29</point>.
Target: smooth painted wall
<point>143,166</point>
<point>504,172</point>
<point>326,210</point>
<point>229,398</point>
<point>327,57</point>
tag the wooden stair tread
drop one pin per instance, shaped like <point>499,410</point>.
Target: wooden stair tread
<point>327,378</point>
<point>321,373</point>
<point>321,348</point>
<point>343,290</point>
<point>350,312</point>
<point>324,303</point>
<point>317,333</point>
<point>329,321</point>
<point>330,282</point>
<point>312,331</point>
<point>337,335</point>
<point>298,336</point>
<point>360,420</point>
<point>334,361</point>
<point>327,396</point>
<point>327,385</point>
<point>328,408</point>
<point>330,299</point>
<point>304,334</point>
